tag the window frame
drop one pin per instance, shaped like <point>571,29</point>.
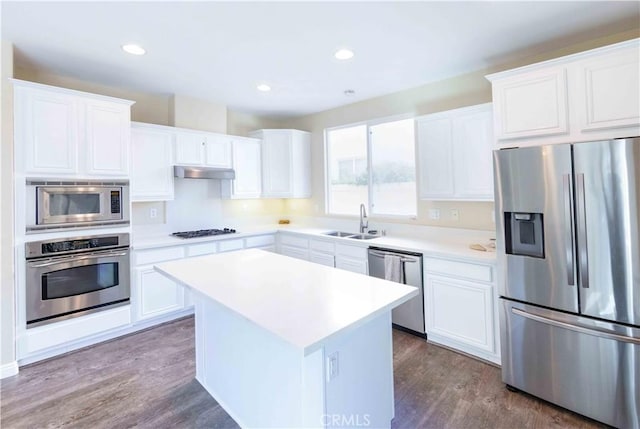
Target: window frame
<point>327,156</point>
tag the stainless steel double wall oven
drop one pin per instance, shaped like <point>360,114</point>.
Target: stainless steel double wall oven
<point>71,277</point>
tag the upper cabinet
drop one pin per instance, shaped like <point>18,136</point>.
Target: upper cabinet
<point>65,133</point>
<point>592,95</point>
<point>246,161</point>
<point>202,148</point>
<point>454,154</point>
<point>151,162</point>
<point>286,163</point>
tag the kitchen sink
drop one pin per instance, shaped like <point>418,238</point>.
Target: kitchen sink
<point>353,235</point>
<point>339,234</point>
<point>362,236</point>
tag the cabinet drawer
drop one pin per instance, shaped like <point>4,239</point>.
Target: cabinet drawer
<point>464,270</point>
<point>229,245</point>
<point>262,240</point>
<point>352,251</point>
<point>322,258</point>
<point>351,264</point>
<point>143,257</point>
<point>295,252</point>
<point>290,240</point>
<point>202,249</point>
<point>323,246</point>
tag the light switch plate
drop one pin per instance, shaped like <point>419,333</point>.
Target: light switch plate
<point>332,366</point>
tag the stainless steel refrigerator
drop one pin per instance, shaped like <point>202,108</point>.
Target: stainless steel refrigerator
<point>567,220</point>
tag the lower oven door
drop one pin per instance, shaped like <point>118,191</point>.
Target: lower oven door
<point>58,288</point>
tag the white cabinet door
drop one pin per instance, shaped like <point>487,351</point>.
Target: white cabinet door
<point>351,264</point>
<point>472,151</point>
<point>107,137</point>
<point>157,295</point>
<point>435,151</point>
<point>455,154</point>
<point>189,148</point>
<point>276,163</point>
<point>247,165</point>
<point>532,104</point>
<point>294,252</point>
<point>322,258</point>
<point>608,90</point>
<point>47,126</point>
<point>460,313</point>
<point>151,164</point>
<point>217,150</point>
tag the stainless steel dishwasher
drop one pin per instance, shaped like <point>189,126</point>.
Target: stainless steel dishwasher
<point>410,315</point>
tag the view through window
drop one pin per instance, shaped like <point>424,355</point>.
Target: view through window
<point>389,186</point>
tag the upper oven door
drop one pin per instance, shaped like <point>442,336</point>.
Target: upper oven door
<point>78,204</point>
<point>62,285</point>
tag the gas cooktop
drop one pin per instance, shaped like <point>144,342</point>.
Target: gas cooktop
<point>203,233</point>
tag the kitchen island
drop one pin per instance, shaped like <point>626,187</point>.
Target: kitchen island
<point>282,342</point>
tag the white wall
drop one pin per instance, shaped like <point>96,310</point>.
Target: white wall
<point>7,290</point>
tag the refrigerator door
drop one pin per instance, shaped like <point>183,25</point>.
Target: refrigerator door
<point>534,226</point>
<point>607,176</point>
<point>588,366</point>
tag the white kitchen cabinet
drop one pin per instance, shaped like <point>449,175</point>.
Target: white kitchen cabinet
<point>455,154</point>
<point>286,163</point>
<point>592,95</point>
<point>352,258</point>
<point>322,252</point>
<point>202,149</point>
<point>151,162</point>
<point>461,307</point>
<point>293,245</point>
<point>264,242</point>
<point>156,294</point>
<point>65,133</point>
<point>246,161</point>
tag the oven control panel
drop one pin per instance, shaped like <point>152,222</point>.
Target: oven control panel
<point>44,248</point>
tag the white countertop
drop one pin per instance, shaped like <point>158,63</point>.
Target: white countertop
<point>445,245</point>
<point>301,302</point>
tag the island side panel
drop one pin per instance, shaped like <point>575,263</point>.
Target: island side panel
<point>258,378</point>
<point>361,395</point>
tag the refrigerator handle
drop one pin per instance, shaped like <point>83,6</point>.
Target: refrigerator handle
<point>568,226</point>
<point>576,328</point>
<point>581,221</point>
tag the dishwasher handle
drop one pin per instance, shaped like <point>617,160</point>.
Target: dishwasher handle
<point>403,258</point>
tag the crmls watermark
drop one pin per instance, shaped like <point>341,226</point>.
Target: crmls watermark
<point>348,420</point>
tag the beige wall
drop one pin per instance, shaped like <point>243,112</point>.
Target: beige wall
<point>196,114</point>
<point>464,90</point>
<point>7,290</point>
<point>149,108</point>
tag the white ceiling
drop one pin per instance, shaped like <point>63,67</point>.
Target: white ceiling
<point>219,51</point>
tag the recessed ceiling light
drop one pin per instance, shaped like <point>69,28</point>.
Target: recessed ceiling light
<point>263,87</point>
<point>343,54</point>
<point>134,49</point>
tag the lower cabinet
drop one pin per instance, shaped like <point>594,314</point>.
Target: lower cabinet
<point>322,258</point>
<point>157,295</point>
<point>460,308</point>
<point>352,258</point>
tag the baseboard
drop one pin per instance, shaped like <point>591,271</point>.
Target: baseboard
<point>8,369</point>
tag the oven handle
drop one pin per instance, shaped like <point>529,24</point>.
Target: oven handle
<point>94,255</point>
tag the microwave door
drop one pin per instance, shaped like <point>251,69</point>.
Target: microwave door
<point>69,205</point>
<point>607,176</point>
<point>535,226</point>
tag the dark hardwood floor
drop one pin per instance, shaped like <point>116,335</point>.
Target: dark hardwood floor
<point>147,380</point>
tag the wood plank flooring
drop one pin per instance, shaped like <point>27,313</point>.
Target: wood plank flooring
<point>146,380</point>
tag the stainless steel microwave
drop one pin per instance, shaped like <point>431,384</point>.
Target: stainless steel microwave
<point>73,204</point>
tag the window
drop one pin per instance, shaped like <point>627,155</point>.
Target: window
<point>372,164</point>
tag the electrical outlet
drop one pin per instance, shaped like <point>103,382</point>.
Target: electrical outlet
<point>455,215</point>
<point>153,213</point>
<point>332,366</point>
<point>493,216</point>
<point>434,214</point>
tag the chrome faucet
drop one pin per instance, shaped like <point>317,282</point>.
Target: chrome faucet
<point>364,221</point>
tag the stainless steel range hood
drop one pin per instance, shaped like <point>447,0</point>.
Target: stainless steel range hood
<point>203,172</point>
